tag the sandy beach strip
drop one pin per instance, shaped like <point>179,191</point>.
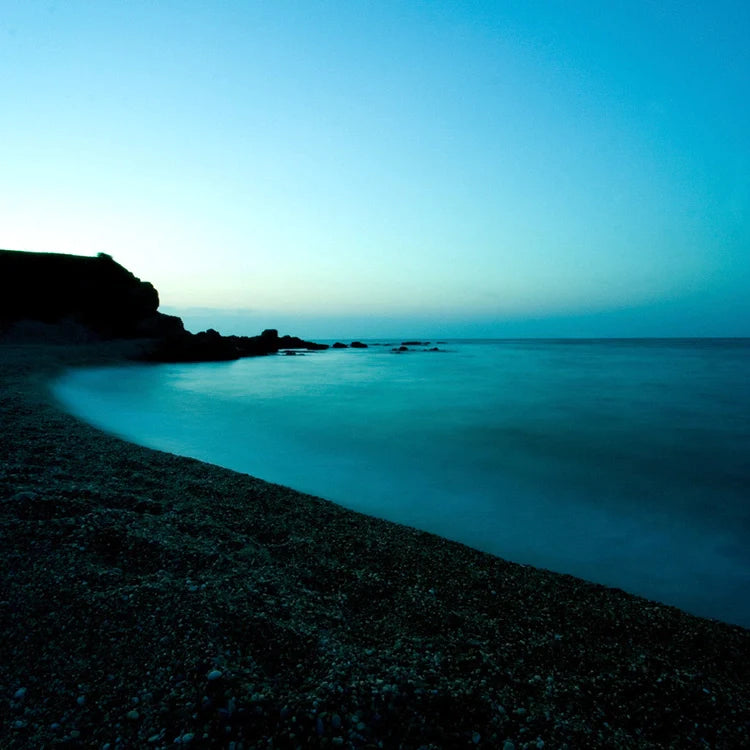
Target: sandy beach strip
<point>150,600</point>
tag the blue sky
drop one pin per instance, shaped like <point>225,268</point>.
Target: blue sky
<point>367,169</point>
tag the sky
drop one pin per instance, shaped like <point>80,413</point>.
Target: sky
<point>370,169</point>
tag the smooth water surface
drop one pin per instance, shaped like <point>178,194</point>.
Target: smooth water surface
<point>623,462</point>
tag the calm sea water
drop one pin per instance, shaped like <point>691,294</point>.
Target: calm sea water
<point>623,462</point>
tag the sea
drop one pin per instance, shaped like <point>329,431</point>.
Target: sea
<point>624,462</point>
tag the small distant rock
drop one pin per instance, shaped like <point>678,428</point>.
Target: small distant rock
<point>358,345</point>
<point>339,345</point>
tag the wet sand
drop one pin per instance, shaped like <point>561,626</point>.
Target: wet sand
<point>149,600</point>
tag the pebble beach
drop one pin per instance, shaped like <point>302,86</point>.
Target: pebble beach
<point>153,601</point>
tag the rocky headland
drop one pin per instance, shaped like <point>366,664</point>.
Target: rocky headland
<point>59,298</point>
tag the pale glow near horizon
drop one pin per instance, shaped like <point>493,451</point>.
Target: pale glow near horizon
<point>476,166</point>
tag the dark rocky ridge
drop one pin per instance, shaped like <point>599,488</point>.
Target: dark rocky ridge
<point>76,299</point>
<point>95,293</point>
<point>210,345</point>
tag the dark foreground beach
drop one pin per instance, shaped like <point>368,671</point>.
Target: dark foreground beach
<point>148,600</point>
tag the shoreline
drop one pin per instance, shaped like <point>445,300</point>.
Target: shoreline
<point>153,598</point>
<point>461,446</point>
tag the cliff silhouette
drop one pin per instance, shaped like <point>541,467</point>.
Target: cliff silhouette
<point>71,299</point>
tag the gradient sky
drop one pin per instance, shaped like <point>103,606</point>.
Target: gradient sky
<point>379,168</point>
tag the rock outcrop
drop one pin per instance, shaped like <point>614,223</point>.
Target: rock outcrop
<point>61,298</point>
<point>96,294</point>
<point>353,345</point>
<point>210,346</point>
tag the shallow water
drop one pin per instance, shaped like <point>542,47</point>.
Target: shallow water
<point>623,462</point>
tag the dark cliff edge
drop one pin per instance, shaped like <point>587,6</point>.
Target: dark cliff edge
<point>60,298</point>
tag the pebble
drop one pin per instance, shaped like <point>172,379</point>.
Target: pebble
<point>133,715</point>
<point>81,700</point>
<point>214,674</point>
<point>25,496</point>
<point>19,694</point>
<point>508,745</point>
